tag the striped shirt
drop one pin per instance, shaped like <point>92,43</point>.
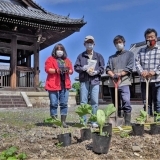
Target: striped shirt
<point>149,60</point>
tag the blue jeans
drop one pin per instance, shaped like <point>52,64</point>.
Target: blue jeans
<point>58,98</point>
<point>86,88</point>
<point>123,98</point>
<point>152,96</point>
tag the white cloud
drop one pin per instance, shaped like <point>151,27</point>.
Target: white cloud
<point>124,5</point>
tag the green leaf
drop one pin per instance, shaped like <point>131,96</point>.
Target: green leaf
<point>84,109</point>
<point>48,120</point>
<point>2,157</point>
<point>55,121</point>
<point>22,156</point>
<point>79,125</point>
<point>12,158</point>
<point>157,118</point>
<point>93,118</point>
<point>109,110</point>
<point>142,117</point>
<point>101,117</point>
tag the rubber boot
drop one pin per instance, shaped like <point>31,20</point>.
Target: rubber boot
<point>54,117</point>
<point>127,118</point>
<point>120,113</point>
<point>63,120</point>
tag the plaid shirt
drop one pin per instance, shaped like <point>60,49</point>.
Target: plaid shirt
<point>149,59</point>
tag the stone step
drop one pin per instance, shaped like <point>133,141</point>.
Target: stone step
<point>11,105</point>
<point>11,101</point>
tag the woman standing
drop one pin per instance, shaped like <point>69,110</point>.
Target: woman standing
<point>58,67</point>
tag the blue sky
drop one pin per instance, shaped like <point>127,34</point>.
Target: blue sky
<point>105,19</point>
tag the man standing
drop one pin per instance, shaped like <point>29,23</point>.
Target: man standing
<point>89,77</point>
<point>120,66</point>
<point>148,66</point>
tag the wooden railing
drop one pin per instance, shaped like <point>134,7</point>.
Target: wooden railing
<point>25,77</point>
<point>4,78</point>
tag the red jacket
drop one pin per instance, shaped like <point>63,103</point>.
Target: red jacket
<point>53,81</point>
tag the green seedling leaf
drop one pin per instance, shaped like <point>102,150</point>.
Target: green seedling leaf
<point>79,125</point>
<point>12,158</point>
<point>59,144</point>
<point>22,156</point>
<point>56,121</point>
<point>109,110</point>
<point>84,109</point>
<point>124,134</point>
<point>101,119</point>
<point>142,117</point>
<point>11,151</point>
<point>157,118</point>
<point>48,120</point>
<point>93,118</point>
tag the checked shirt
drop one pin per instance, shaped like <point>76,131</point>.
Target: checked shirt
<point>149,59</point>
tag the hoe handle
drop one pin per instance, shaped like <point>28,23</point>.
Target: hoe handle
<point>147,91</point>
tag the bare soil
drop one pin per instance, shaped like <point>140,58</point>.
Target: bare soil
<point>24,128</point>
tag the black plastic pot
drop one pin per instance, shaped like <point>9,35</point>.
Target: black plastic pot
<point>85,134</point>
<point>65,139</point>
<point>154,128</point>
<point>107,128</point>
<point>138,129</point>
<point>100,144</point>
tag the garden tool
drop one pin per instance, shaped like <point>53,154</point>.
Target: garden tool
<point>147,90</point>
<point>114,119</point>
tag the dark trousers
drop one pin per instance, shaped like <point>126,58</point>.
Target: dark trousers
<point>151,96</point>
<point>123,98</point>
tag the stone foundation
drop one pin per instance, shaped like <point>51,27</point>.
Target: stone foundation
<point>41,99</point>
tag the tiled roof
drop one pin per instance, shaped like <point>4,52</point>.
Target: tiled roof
<point>18,10</point>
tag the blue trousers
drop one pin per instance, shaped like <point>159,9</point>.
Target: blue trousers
<point>86,88</point>
<point>58,98</point>
<point>123,98</point>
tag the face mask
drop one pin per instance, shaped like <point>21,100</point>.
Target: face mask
<point>59,53</point>
<point>120,46</point>
<point>151,43</point>
<point>89,46</point>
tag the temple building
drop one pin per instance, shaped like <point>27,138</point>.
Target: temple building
<point>25,29</point>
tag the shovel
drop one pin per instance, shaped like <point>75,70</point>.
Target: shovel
<point>116,121</point>
<point>147,90</point>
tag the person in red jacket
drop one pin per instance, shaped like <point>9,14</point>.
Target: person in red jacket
<point>58,67</point>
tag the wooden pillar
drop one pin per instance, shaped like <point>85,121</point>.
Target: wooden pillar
<point>36,64</point>
<point>28,64</point>
<point>13,62</point>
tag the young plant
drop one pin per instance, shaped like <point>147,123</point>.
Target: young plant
<point>82,110</point>
<point>157,118</point>
<point>142,117</point>
<point>55,121</point>
<point>110,109</point>
<point>11,154</point>
<point>103,115</point>
<point>101,119</point>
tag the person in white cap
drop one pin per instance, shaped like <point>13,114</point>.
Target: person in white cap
<point>89,76</point>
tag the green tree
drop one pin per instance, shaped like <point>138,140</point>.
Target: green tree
<point>76,86</point>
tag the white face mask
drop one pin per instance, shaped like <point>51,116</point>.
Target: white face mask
<point>120,46</point>
<point>59,53</point>
<point>89,46</point>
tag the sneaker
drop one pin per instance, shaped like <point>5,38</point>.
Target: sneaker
<point>95,125</point>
